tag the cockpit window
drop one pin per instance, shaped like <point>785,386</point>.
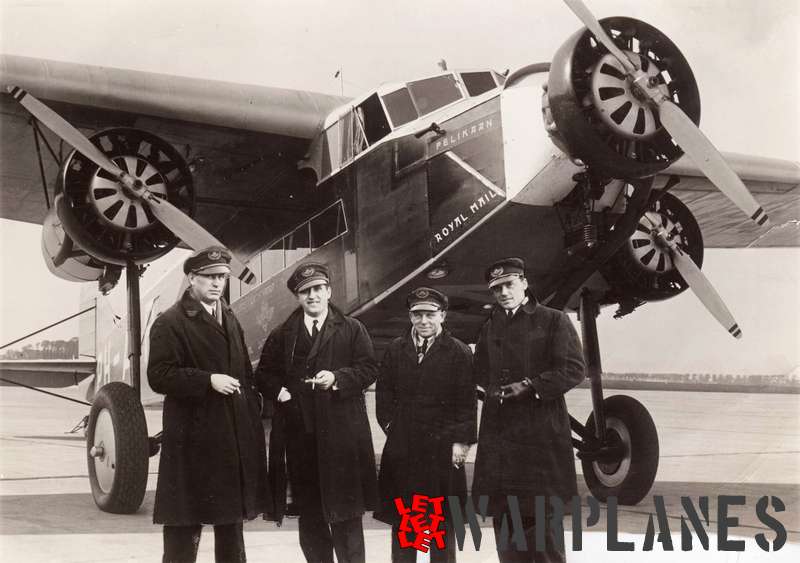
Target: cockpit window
<point>431,94</point>
<point>478,82</point>
<point>372,120</point>
<point>400,107</point>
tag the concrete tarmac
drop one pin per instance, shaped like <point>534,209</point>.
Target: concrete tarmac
<point>711,444</point>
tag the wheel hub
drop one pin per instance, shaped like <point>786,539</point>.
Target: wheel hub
<point>612,474</point>
<point>620,104</point>
<point>103,451</point>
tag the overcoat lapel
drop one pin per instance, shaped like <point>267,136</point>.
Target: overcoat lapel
<point>328,330</point>
<point>409,348</point>
<point>196,311</point>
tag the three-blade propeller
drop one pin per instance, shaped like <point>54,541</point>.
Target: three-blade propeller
<point>677,123</point>
<point>700,150</point>
<point>183,226</point>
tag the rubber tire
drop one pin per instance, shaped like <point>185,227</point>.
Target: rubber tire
<point>643,449</point>
<point>131,448</point>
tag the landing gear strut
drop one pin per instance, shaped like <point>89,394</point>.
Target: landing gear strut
<point>117,445</point>
<point>619,443</point>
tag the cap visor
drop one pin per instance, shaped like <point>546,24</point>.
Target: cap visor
<point>503,279</point>
<point>310,282</point>
<point>214,269</point>
<point>425,307</point>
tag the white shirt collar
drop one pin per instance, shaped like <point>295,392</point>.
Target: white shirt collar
<point>211,309</point>
<point>308,321</point>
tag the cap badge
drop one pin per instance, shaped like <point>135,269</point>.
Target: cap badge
<point>422,293</point>
<point>214,255</point>
<point>497,271</point>
<point>308,272</point>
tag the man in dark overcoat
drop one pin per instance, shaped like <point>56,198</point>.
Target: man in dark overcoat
<point>426,405</point>
<point>526,358</point>
<point>213,456</point>
<point>317,366</point>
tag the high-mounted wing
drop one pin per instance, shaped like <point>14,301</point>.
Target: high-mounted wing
<point>45,373</point>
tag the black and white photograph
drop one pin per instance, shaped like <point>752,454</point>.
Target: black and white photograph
<point>412,281</point>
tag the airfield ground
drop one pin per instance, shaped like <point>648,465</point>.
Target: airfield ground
<point>711,444</point>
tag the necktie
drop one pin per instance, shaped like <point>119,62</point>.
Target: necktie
<point>314,330</point>
<point>421,349</point>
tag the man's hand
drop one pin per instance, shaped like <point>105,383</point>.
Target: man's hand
<point>515,390</point>
<point>284,395</point>
<point>324,379</point>
<point>225,384</point>
<point>460,452</point>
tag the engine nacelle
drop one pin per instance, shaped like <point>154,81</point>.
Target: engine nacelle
<point>97,226</point>
<point>67,261</point>
<point>592,112</point>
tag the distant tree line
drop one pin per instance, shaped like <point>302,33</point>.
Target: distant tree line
<point>45,350</point>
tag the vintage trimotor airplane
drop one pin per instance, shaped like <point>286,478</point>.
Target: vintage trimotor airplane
<point>572,164</point>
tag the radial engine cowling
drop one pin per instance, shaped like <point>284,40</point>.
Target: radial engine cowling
<point>103,217</point>
<point>643,270</point>
<point>96,225</point>
<point>593,113</point>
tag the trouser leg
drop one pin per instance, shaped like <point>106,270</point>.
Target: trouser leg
<point>181,543</point>
<point>448,554</point>
<point>409,554</point>
<point>348,540</point>
<point>315,538</point>
<point>401,554</point>
<point>229,543</point>
<point>553,550</point>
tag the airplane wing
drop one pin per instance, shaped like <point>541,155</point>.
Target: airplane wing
<point>776,186</point>
<point>242,142</point>
<point>45,373</point>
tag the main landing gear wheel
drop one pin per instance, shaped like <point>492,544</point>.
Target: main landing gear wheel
<point>630,477</point>
<point>117,449</point>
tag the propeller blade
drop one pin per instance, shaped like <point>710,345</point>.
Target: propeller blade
<point>63,129</point>
<point>183,226</point>
<point>709,160</point>
<point>591,23</point>
<point>192,233</point>
<point>701,287</point>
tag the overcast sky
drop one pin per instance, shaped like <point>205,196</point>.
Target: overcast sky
<point>744,55</point>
